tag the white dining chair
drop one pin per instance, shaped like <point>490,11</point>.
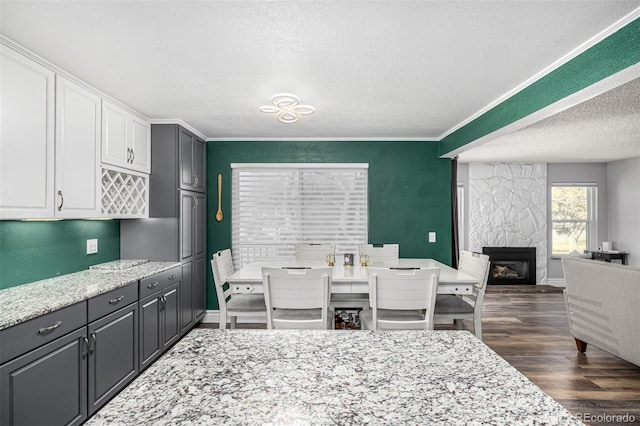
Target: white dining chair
<point>314,254</point>
<point>297,298</point>
<point>379,254</point>
<point>454,308</point>
<point>233,305</point>
<point>401,299</point>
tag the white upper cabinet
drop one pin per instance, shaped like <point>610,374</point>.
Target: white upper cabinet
<point>55,134</point>
<point>26,137</point>
<point>126,139</point>
<point>78,121</point>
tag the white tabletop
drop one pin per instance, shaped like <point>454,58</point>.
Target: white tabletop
<point>352,279</point>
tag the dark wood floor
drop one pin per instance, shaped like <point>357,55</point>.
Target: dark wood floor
<point>530,331</point>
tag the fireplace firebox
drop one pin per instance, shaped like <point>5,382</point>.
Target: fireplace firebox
<point>511,265</point>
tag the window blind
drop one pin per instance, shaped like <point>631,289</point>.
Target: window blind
<point>275,206</point>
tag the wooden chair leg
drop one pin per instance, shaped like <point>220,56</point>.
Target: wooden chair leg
<point>582,346</point>
<point>233,323</point>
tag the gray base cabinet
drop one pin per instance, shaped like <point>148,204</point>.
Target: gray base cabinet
<point>47,386</point>
<point>61,367</point>
<point>113,355</point>
<point>160,314</point>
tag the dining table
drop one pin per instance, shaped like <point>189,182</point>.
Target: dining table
<point>349,283</point>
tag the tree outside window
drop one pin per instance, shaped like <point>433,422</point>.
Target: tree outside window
<point>572,216</point>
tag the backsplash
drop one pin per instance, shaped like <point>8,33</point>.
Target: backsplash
<point>508,208</point>
<point>32,251</point>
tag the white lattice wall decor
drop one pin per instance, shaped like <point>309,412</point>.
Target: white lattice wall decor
<point>124,194</point>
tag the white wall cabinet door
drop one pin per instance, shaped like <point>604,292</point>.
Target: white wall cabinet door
<point>78,121</point>
<point>26,137</point>
<point>126,139</point>
<point>141,144</point>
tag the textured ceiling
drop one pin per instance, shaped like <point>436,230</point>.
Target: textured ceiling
<point>373,70</point>
<point>602,129</point>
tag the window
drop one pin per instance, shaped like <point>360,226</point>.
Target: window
<point>574,226</point>
<point>275,206</point>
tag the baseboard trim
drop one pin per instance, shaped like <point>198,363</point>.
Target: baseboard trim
<point>557,282</point>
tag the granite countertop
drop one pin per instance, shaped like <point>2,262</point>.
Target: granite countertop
<point>331,377</point>
<point>28,301</point>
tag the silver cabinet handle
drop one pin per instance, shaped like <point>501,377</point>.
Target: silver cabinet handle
<point>116,301</point>
<point>163,301</point>
<point>61,200</point>
<point>93,343</point>
<point>173,277</point>
<point>85,350</point>
<point>50,328</point>
<point>154,285</point>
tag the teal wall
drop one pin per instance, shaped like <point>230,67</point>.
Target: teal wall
<point>32,251</point>
<point>409,190</point>
<point>613,54</point>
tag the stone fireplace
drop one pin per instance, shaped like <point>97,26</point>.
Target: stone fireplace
<point>511,265</point>
<point>508,208</point>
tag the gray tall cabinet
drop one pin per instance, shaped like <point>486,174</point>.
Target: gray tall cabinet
<point>176,228</point>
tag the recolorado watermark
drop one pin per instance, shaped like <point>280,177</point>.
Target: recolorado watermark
<point>606,418</point>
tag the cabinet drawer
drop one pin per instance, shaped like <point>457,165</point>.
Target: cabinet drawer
<point>159,281</point>
<point>24,337</point>
<point>104,304</point>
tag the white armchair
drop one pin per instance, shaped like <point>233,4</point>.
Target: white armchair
<point>379,254</point>
<point>314,254</point>
<point>458,308</point>
<point>401,299</point>
<point>297,298</point>
<point>232,305</point>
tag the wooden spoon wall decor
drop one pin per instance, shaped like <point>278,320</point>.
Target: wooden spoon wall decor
<point>219,212</point>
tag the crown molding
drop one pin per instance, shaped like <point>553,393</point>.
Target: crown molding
<point>626,20</point>
<point>179,122</point>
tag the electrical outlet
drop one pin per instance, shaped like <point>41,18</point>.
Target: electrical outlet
<point>92,246</point>
<point>432,237</point>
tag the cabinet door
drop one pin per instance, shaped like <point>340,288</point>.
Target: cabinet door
<point>199,224</point>
<point>187,218</point>
<point>115,149</point>
<point>126,139</point>
<point>140,145</point>
<point>113,354</point>
<point>150,330</point>
<point>186,301</point>
<point>187,176</point>
<point>27,134</point>
<point>200,288</point>
<point>78,121</point>
<point>171,312</point>
<point>47,386</point>
<point>199,160</point>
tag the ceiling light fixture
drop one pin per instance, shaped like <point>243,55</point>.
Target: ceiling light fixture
<point>287,108</point>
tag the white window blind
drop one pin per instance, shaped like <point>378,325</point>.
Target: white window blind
<point>275,206</point>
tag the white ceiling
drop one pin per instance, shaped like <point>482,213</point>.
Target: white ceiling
<point>373,70</point>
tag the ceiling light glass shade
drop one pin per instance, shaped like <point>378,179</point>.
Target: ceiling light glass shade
<point>287,108</point>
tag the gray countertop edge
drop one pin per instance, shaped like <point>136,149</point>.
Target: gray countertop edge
<point>28,301</point>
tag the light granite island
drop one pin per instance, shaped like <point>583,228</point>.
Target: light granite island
<point>331,377</point>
